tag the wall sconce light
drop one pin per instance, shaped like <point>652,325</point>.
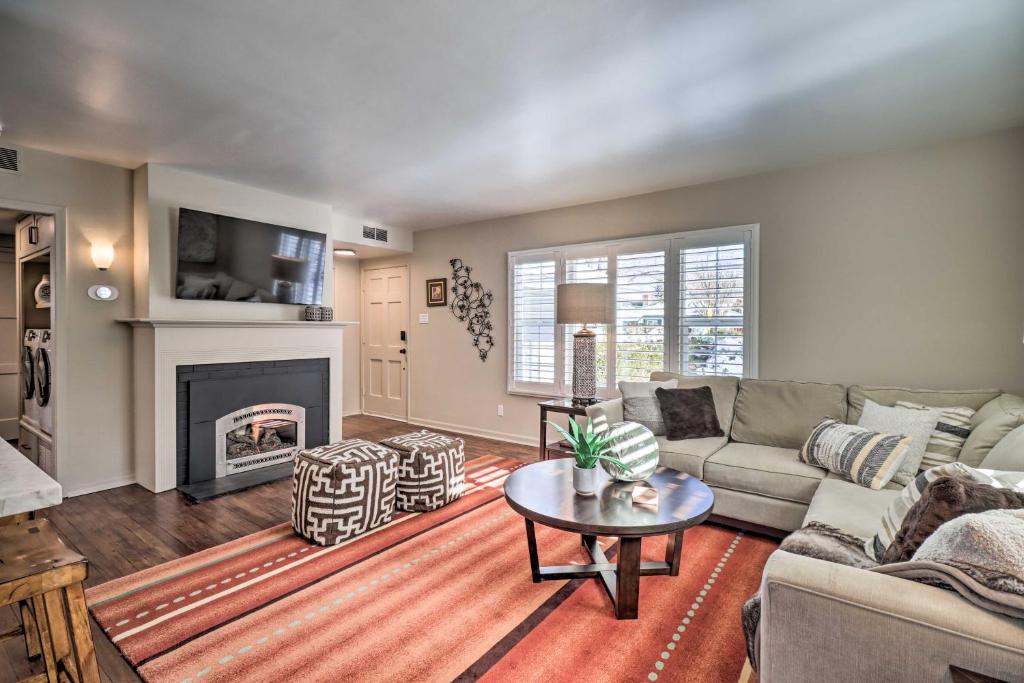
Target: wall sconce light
<point>102,255</point>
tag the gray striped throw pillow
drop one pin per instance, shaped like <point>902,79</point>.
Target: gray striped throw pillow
<point>862,456</point>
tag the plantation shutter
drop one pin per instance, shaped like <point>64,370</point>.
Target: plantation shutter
<point>711,312</point>
<point>639,314</point>
<point>532,357</point>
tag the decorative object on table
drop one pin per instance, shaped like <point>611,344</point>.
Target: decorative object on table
<point>437,291</point>
<point>431,470</point>
<point>640,403</point>
<point>689,413</point>
<point>588,449</point>
<point>471,304</point>
<point>313,313</point>
<point>633,445</point>
<point>42,292</point>
<point>645,496</point>
<point>342,490</point>
<point>583,303</point>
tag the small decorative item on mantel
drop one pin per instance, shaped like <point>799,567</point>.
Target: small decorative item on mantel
<point>326,314</point>
<point>588,448</point>
<point>437,291</point>
<point>313,314</point>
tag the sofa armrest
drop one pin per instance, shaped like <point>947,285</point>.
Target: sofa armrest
<point>605,413</point>
<point>824,621</point>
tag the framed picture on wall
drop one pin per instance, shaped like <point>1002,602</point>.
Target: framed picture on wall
<point>437,291</point>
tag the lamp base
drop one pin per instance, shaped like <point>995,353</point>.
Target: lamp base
<point>584,367</point>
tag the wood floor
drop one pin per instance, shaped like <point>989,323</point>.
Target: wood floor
<point>127,529</point>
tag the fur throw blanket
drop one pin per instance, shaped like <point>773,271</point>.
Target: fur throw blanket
<point>981,556</point>
<point>817,540</point>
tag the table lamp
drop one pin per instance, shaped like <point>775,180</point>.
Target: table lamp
<point>583,303</point>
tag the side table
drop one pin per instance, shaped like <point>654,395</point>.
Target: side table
<point>558,405</point>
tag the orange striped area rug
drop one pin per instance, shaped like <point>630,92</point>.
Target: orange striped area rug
<point>437,596</point>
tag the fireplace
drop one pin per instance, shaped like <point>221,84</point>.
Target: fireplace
<point>241,424</point>
<point>259,436</point>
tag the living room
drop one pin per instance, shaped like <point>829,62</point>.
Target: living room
<point>264,267</point>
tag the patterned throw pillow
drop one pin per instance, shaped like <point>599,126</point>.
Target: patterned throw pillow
<point>892,519</point>
<point>916,424</point>
<point>639,404</point>
<point>945,442</point>
<point>865,457</point>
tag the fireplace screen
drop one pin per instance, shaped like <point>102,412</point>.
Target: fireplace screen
<point>259,436</point>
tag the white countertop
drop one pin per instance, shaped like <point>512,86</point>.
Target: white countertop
<point>23,486</point>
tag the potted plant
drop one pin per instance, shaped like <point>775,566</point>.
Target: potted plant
<point>588,448</point>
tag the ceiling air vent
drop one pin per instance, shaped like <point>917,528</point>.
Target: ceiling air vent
<point>9,160</point>
<point>376,234</point>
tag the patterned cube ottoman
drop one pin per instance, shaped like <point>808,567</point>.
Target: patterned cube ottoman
<point>430,469</point>
<point>342,490</point>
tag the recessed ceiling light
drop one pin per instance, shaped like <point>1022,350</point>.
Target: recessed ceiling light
<point>344,252</point>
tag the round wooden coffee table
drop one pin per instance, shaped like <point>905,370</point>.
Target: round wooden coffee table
<point>542,492</point>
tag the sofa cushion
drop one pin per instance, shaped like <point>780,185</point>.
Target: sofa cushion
<point>847,506</point>
<point>782,414</point>
<point>689,455</point>
<point>1008,454</point>
<point>933,398</point>
<point>1001,405</point>
<point>764,470</point>
<point>986,435</point>
<point>723,389</point>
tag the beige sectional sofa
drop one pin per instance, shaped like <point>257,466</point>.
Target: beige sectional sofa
<point>820,620</point>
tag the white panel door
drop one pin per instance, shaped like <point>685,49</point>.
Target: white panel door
<point>385,321</point>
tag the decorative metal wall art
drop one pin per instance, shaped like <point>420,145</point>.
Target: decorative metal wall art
<point>472,305</point>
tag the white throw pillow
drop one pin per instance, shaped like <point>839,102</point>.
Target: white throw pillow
<point>917,424</point>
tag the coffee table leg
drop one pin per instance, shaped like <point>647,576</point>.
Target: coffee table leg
<point>531,542</point>
<point>627,579</point>
<point>673,551</point>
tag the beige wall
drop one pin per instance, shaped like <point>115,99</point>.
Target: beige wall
<point>347,286</point>
<point>94,353</point>
<point>901,268</point>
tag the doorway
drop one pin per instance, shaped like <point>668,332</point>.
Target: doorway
<point>385,328</point>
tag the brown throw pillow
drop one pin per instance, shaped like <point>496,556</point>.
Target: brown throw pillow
<point>689,413</point>
<point>944,499</point>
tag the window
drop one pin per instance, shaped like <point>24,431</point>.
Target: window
<point>685,302</point>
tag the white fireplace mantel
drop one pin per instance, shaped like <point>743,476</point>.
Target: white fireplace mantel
<point>160,346</point>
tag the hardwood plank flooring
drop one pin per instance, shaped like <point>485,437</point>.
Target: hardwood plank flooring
<point>127,529</point>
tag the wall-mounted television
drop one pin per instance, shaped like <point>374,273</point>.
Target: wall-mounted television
<point>233,259</point>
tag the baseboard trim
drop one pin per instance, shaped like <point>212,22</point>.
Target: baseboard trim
<point>383,416</point>
<point>473,431</point>
<point>102,486</point>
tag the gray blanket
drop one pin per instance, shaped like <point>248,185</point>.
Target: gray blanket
<point>980,556</point>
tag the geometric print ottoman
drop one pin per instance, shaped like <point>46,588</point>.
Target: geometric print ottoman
<point>342,490</point>
<point>430,470</point>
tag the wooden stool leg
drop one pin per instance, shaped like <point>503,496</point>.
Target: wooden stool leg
<point>45,642</point>
<point>28,622</point>
<point>57,624</point>
<point>81,635</point>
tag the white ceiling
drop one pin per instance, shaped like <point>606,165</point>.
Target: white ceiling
<point>432,112</point>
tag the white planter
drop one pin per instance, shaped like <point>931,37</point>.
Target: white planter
<point>586,482</point>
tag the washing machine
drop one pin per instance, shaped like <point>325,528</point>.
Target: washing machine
<point>44,381</point>
<point>30,410</point>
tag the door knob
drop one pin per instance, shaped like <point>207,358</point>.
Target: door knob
<point>401,351</point>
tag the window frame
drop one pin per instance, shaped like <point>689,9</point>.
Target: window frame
<point>673,244</point>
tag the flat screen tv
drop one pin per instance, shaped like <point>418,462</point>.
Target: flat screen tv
<point>232,259</point>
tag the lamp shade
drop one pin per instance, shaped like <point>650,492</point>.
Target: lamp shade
<point>583,303</point>
<point>287,268</point>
